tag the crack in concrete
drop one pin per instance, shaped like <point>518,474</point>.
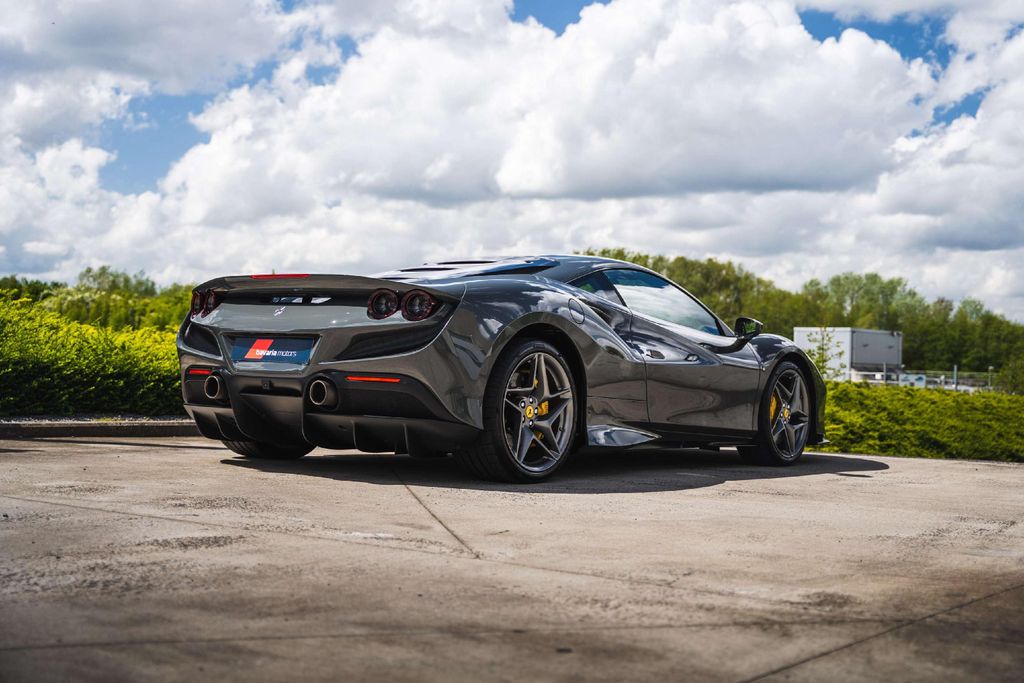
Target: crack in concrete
<point>440,521</point>
<point>381,546</point>
<point>221,525</point>
<point>892,629</point>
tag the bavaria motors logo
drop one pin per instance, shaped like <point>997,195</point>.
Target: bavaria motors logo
<point>260,350</point>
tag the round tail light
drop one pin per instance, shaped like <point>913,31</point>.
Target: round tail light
<point>209,301</point>
<point>382,303</point>
<point>418,305</point>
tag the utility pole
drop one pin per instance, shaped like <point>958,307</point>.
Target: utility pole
<point>990,369</point>
<point>955,378</point>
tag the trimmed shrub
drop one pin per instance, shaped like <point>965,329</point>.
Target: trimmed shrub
<point>50,365</point>
<point>925,423</point>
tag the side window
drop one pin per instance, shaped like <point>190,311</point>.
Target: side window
<point>659,298</point>
<point>597,283</point>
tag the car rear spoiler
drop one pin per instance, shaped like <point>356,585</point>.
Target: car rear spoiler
<point>323,285</point>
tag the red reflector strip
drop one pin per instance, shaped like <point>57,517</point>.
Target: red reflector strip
<point>278,276</point>
<point>370,378</point>
<point>200,371</point>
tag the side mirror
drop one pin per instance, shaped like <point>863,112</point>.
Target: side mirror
<point>748,328</point>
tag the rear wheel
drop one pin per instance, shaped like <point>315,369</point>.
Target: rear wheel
<point>784,419</point>
<point>268,451</point>
<point>529,416</point>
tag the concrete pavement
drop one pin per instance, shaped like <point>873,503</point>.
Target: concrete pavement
<point>173,559</point>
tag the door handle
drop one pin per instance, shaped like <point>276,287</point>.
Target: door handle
<point>658,355</point>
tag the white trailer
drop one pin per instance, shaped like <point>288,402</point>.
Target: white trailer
<point>854,350</point>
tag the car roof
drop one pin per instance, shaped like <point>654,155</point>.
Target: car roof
<point>561,267</point>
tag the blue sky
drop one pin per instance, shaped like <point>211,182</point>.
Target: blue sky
<point>160,131</point>
<point>913,37</point>
<point>556,15</point>
<point>159,134</point>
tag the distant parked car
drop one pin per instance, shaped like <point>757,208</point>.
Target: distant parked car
<point>510,364</point>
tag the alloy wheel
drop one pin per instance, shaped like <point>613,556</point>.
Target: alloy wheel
<point>537,413</point>
<point>787,414</point>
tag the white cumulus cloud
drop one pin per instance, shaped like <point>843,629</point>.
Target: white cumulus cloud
<point>698,127</point>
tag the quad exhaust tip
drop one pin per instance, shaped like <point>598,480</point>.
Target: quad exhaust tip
<point>213,387</point>
<point>322,393</point>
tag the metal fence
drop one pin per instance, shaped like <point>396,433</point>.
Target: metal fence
<point>952,379</point>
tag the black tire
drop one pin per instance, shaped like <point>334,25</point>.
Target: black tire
<point>268,451</point>
<point>491,457</point>
<point>794,416</point>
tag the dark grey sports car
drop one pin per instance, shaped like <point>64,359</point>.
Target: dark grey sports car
<point>510,364</point>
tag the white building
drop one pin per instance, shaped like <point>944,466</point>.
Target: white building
<point>856,353</point>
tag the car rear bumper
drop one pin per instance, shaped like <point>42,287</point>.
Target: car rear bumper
<point>400,415</point>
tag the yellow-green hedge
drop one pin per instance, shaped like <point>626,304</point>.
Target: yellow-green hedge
<point>925,423</point>
<point>50,365</point>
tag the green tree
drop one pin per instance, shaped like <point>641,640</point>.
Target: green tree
<point>1011,378</point>
<point>825,354</point>
<point>14,287</point>
<point>111,298</point>
<point>106,279</point>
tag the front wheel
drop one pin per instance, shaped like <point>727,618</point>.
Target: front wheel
<point>268,451</point>
<point>784,419</point>
<point>529,416</point>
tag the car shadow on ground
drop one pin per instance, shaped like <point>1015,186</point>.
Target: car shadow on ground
<point>602,472</point>
<point>137,441</point>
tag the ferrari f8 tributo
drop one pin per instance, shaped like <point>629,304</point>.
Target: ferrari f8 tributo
<point>509,364</point>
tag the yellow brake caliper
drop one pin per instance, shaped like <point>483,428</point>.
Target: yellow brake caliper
<point>774,407</point>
